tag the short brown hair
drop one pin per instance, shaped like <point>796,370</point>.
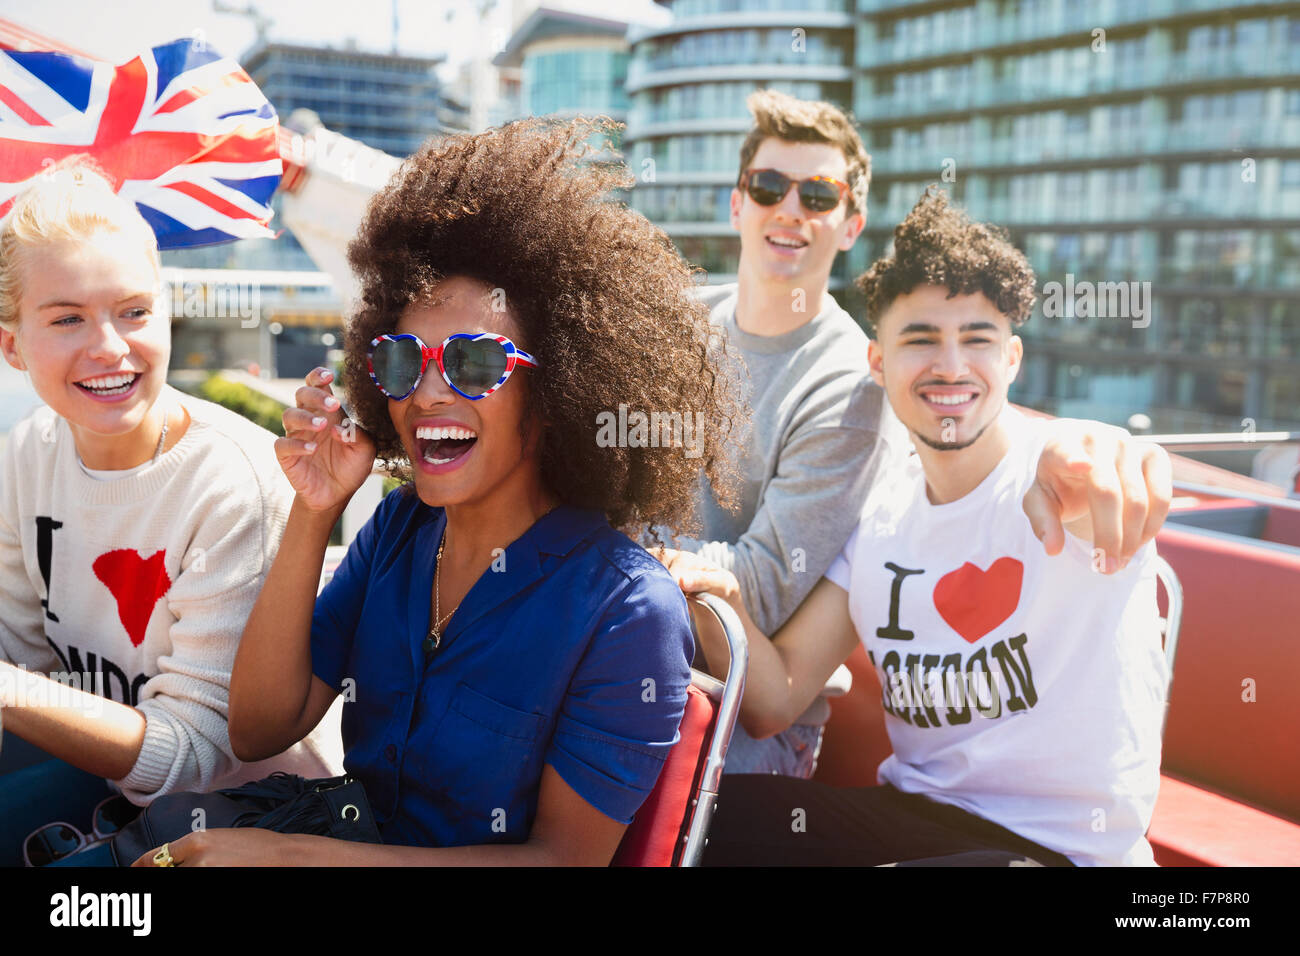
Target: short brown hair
<point>938,245</point>
<point>782,116</point>
<point>604,300</point>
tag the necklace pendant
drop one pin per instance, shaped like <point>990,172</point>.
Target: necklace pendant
<point>431,642</point>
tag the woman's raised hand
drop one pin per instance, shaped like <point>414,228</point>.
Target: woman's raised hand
<point>325,458</point>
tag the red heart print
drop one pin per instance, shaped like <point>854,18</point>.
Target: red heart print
<point>973,602</point>
<point>137,584</point>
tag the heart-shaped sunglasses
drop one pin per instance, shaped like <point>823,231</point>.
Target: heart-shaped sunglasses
<point>474,364</point>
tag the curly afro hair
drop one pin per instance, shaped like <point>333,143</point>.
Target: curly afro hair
<point>938,245</point>
<point>604,300</point>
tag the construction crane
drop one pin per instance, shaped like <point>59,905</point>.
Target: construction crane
<point>261,22</point>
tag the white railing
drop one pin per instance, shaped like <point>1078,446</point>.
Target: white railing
<point>1220,441</point>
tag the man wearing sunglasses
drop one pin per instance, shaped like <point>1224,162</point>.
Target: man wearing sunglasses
<point>816,441</point>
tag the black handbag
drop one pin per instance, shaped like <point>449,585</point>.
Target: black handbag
<point>331,806</point>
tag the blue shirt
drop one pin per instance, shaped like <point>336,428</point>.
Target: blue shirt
<point>575,652</point>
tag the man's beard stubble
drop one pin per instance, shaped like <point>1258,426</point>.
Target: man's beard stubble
<point>953,445</point>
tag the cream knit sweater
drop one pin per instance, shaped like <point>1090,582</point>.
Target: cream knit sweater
<point>143,585</point>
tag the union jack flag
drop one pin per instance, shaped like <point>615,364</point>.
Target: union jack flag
<point>181,130</point>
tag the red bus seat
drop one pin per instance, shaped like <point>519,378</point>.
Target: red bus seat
<point>657,834</point>
<point>670,827</point>
<point>1193,826</point>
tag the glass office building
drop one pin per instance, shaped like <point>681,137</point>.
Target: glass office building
<point>1129,147</point>
<point>1145,153</point>
<point>568,64</point>
<point>387,101</point>
<point>687,84</point>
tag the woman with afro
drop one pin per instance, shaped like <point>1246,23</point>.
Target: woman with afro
<point>513,667</point>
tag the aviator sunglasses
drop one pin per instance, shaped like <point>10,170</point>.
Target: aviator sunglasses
<point>767,187</point>
<point>474,364</point>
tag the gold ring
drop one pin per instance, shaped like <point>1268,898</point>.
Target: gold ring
<point>163,857</point>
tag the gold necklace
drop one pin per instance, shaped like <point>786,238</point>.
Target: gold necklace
<point>434,638</point>
<point>162,440</point>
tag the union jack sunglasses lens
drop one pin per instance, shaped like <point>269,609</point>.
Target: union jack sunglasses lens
<point>472,366</point>
<point>397,364</point>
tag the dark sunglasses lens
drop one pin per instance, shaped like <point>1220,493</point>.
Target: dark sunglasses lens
<point>397,365</point>
<point>819,196</point>
<point>52,843</point>
<point>474,366</point>
<point>768,187</point>
<point>113,814</point>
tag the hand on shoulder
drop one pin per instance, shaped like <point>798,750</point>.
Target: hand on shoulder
<point>695,575</point>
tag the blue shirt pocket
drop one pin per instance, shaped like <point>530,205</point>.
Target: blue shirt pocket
<point>502,718</point>
<point>483,768</point>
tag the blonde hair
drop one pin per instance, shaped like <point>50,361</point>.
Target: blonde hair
<point>783,116</point>
<point>73,200</point>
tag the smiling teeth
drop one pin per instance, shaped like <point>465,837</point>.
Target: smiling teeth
<point>109,384</point>
<point>108,381</point>
<point>438,434</point>
<point>950,399</point>
<point>787,243</point>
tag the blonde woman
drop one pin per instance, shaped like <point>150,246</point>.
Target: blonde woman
<point>136,527</point>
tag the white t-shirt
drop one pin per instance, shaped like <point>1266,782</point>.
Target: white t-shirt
<point>1025,689</point>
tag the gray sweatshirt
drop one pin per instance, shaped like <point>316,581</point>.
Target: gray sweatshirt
<point>821,432</point>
